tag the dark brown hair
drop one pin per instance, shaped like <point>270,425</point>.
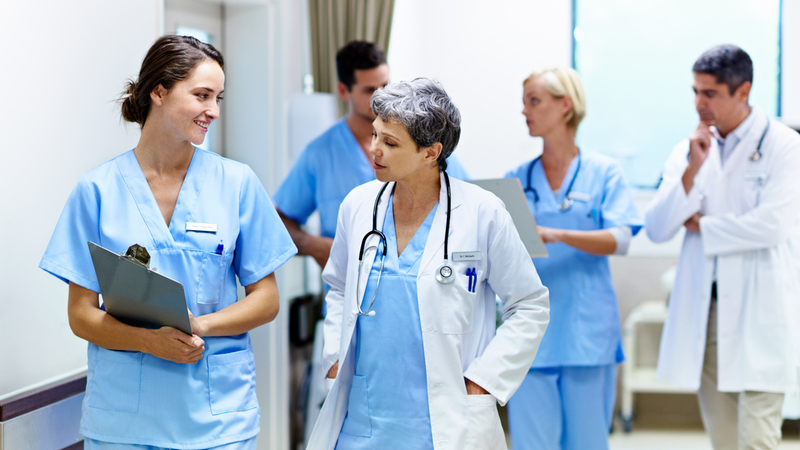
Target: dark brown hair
<point>357,55</point>
<point>170,59</point>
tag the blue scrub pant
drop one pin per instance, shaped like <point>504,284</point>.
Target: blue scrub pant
<point>567,408</point>
<point>91,444</point>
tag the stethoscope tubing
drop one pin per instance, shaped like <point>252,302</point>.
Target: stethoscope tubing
<point>382,238</point>
<point>566,203</point>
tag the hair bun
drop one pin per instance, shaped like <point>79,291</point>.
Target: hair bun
<point>130,110</point>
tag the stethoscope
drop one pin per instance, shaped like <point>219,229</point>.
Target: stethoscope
<point>565,204</point>
<point>444,274</point>
<point>757,154</point>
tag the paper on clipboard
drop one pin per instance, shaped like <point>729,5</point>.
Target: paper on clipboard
<point>510,191</point>
<point>138,296</point>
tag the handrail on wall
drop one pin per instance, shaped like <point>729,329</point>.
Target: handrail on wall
<point>40,397</point>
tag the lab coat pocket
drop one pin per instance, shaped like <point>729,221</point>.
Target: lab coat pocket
<point>357,422</point>
<point>754,183</point>
<point>232,382</point>
<point>484,428</point>
<point>116,381</point>
<point>459,297</point>
<point>211,277</point>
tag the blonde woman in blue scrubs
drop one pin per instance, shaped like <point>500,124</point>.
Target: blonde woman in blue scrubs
<point>585,212</point>
<point>162,388</point>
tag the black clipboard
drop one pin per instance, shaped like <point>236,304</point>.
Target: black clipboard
<point>510,191</point>
<point>137,295</point>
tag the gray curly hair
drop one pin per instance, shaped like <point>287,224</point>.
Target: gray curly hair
<point>425,109</point>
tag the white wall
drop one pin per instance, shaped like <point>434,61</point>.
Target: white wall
<point>481,54</point>
<point>266,55</point>
<point>64,64</point>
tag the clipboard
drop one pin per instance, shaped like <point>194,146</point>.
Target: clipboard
<point>510,191</point>
<point>138,296</point>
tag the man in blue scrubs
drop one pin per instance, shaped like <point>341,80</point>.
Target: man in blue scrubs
<point>337,161</point>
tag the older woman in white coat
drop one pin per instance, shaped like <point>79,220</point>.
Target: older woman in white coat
<point>414,269</point>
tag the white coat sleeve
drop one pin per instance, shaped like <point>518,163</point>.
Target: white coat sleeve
<point>335,275</point>
<point>526,313</point>
<point>672,206</point>
<point>770,222</point>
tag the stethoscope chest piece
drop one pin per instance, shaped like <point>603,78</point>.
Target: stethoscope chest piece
<point>565,204</point>
<point>444,274</point>
<point>755,156</point>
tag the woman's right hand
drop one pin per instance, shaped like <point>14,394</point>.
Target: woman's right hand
<point>174,345</point>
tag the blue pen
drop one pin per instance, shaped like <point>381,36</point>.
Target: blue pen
<point>593,215</point>
<point>469,279</point>
<point>220,247</point>
<point>473,279</point>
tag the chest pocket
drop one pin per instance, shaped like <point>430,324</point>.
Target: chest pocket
<point>753,183</point>
<point>460,297</point>
<point>211,277</point>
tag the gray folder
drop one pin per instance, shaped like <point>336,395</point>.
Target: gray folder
<point>510,191</point>
<point>138,296</point>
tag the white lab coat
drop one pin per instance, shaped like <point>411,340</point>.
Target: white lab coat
<point>458,327</point>
<point>750,224</point>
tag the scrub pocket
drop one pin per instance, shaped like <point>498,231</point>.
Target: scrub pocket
<point>117,380</point>
<point>357,422</point>
<point>232,382</point>
<point>211,277</point>
<point>484,430</point>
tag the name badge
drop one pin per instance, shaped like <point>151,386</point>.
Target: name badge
<point>205,227</point>
<point>579,196</point>
<point>759,177</point>
<point>466,256</point>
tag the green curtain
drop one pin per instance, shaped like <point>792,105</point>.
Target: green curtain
<point>334,23</point>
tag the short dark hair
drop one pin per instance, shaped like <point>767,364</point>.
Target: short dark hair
<point>728,63</point>
<point>170,59</point>
<point>357,55</point>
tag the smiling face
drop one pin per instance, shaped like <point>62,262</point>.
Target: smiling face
<point>192,104</point>
<point>716,105</point>
<point>543,112</point>
<point>394,154</point>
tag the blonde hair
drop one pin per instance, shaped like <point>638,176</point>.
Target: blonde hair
<point>564,82</point>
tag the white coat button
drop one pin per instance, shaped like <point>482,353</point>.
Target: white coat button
<point>350,322</point>
<point>431,329</point>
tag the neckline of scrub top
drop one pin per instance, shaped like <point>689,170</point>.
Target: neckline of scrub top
<point>409,261</point>
<point>348,135</point>
<point>164,236</point>
<point>540,178</point>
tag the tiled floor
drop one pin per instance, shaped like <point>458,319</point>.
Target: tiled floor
<point>654,439</point>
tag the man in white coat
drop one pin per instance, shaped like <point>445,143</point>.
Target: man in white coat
<point>734,186</point>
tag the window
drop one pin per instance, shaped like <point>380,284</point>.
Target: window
<point>635,59</point>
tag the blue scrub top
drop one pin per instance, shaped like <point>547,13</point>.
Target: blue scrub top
<point>388,400</point>
<point>325,172</point>
<point>137,398</point>
<point>584,326</point>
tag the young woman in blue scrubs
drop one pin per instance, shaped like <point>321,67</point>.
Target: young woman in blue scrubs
<point>205,220</point>
<point>585,212</point>
<point>416,356</point>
